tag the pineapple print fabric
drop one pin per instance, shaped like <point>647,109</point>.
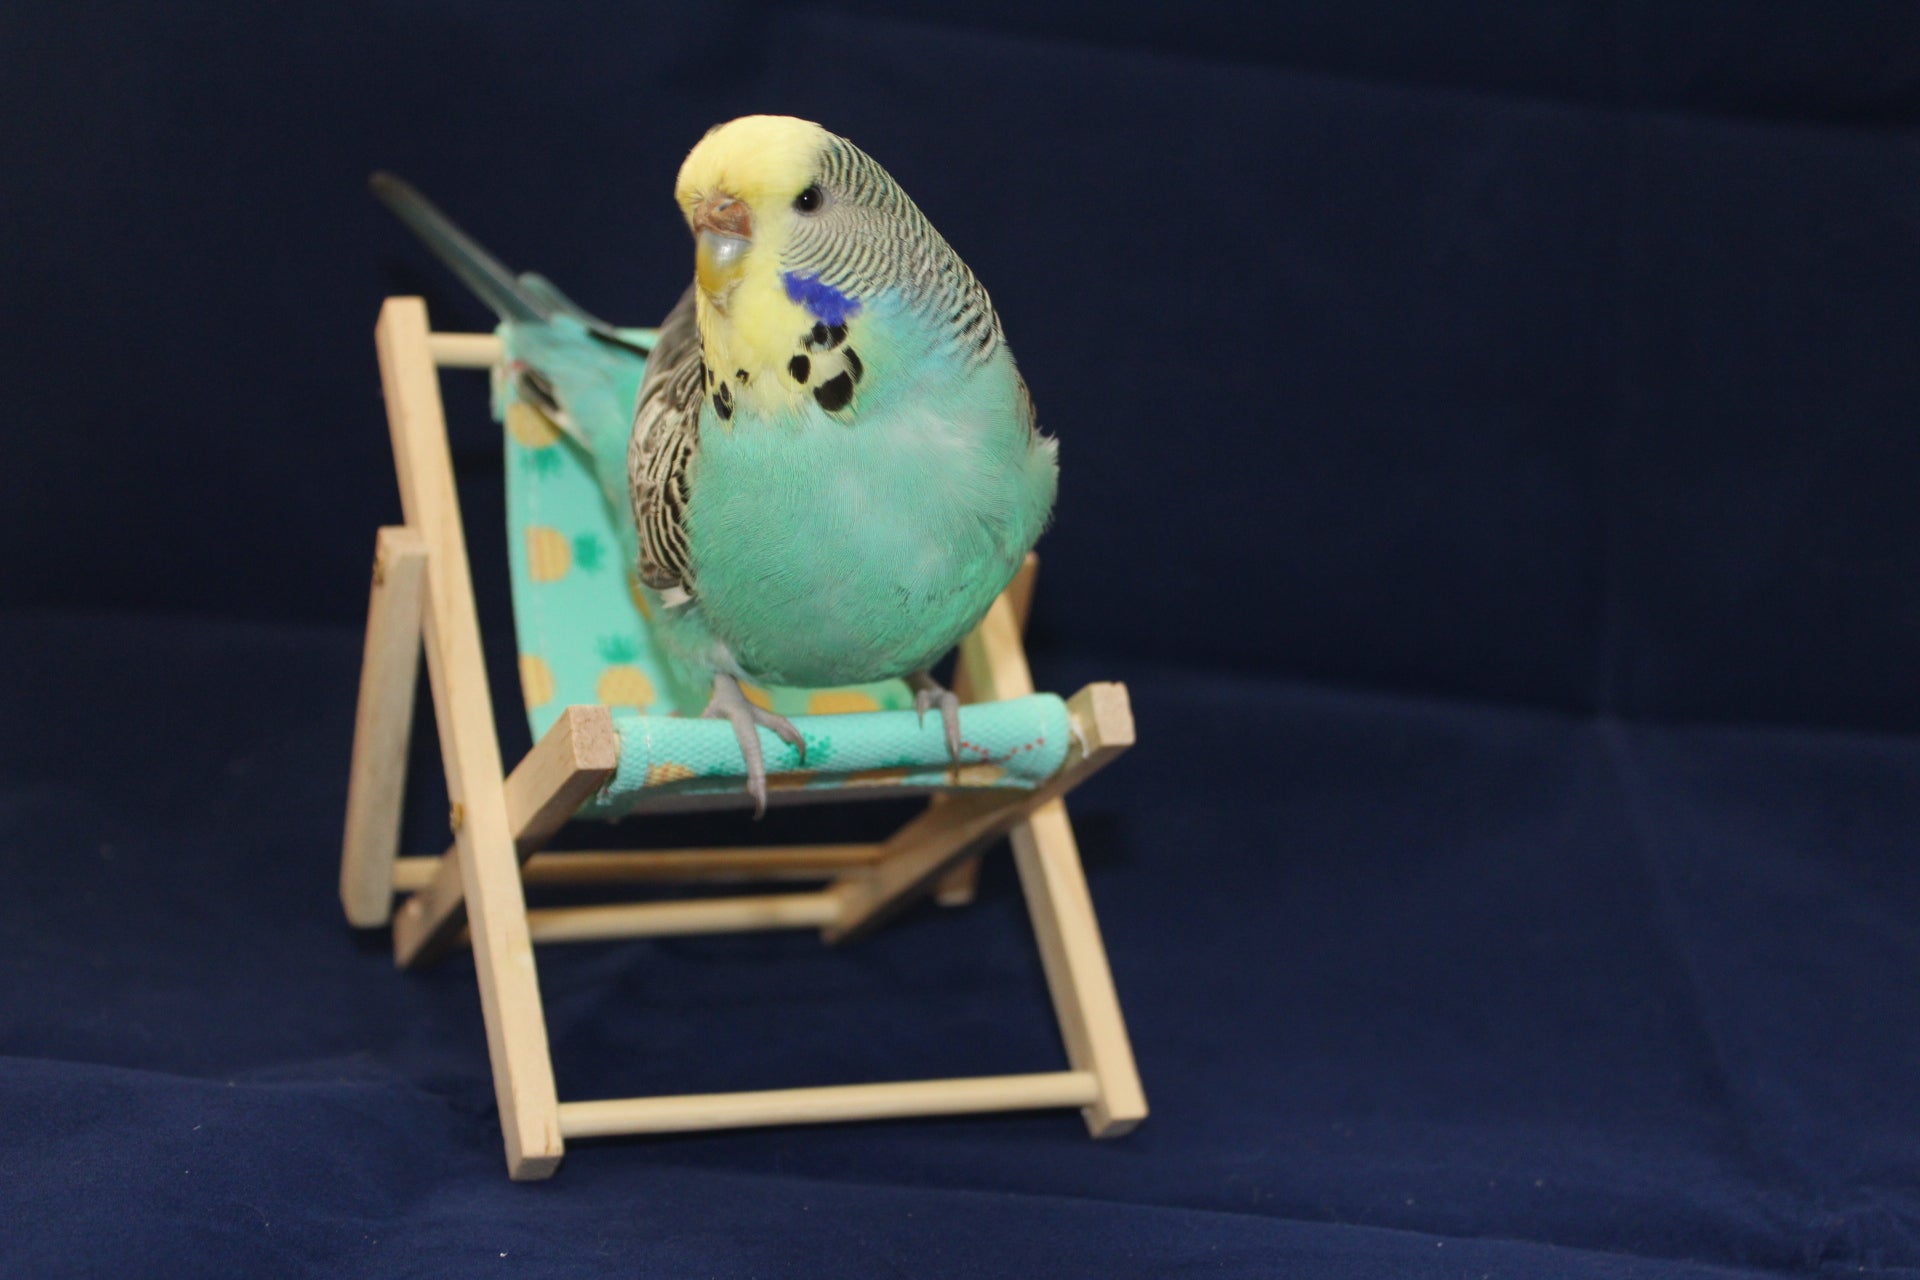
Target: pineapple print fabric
<point>1018,743</point>
<point>584,636</point>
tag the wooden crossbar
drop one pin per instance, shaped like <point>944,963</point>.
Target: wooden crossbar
<point>464,350</point>
<point>640,866</point>
<point>828,1104</point>
<point>697,915</point>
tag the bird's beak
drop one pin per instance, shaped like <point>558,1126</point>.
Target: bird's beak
<point>723,232</point>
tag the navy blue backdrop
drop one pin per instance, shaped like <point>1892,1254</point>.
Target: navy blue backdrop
<point>1489,455</point>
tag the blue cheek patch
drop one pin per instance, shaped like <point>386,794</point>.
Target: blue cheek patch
<point>826,303</point>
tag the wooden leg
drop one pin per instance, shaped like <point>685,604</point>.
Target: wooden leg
<point>382,727</point>
<point>995,664</point>
<point>1019,592</point>
<point>569,763</point>
<point>490,874</point>
<point>1076,964</point>
<point>958,885</point>
<point>960,824</point>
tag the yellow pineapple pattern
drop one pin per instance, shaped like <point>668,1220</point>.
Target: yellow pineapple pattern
<point>757,696</point>
<point>624,686</point>
<point>536,681</point>
<point>666,771</point>
<point>531,428</point>
<point>835,702</point>
<point>549,554</point>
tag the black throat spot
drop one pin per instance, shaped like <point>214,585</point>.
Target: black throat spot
<point>834,394</point>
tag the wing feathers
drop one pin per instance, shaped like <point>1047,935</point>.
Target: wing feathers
<point>666,432</point>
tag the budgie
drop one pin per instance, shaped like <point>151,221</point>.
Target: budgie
<point>834,465</point>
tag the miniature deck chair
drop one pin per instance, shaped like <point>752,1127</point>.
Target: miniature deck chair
<point>615,734</point>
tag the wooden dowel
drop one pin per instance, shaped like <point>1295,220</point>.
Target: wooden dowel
<point>464,350</point>
<point>662,919</point>
<point>483,350</point>
<point>599,866</point>
<point>826,1105</point>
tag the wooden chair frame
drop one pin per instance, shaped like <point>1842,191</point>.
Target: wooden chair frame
<point>422,592</point>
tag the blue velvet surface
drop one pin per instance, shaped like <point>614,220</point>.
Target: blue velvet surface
<point>1418,988</point>
<point>1495,429</point>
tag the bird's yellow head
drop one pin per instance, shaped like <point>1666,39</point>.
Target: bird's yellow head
<point>747,191</point>
<point>806,249</point>
<point>741,189</point>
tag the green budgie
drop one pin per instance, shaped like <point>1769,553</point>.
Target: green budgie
<point>833,465</point>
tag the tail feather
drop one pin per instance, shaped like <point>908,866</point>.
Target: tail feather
<point>547,294</point>
<point>478,269</point>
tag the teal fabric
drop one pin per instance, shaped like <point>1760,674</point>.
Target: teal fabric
<point>1018,743</point>
<point>585,632</point>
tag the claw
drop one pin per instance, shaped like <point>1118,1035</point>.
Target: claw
<point>928,692</point>
<point>730,704</point>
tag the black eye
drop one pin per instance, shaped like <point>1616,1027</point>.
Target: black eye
<point>807,201</point>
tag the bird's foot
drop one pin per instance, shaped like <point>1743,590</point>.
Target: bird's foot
<point>928,692</point>
<point>729,703</point>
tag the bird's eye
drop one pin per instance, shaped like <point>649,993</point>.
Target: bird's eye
<point>807,201</point>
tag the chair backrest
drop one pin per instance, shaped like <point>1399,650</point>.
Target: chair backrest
<point>581,621</point>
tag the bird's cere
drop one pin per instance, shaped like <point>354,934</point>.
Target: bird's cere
<point>722,214</point>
